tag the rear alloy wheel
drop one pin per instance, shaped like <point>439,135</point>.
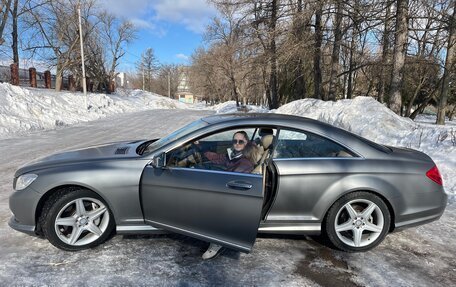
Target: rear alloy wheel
<point>358,221</point>
<point>75,220</point>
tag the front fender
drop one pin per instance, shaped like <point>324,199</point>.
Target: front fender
<point>117,182</point>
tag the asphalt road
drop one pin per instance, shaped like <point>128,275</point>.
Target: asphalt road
<point>423,256</point>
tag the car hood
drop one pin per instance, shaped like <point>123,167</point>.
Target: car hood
<point>108,151</point>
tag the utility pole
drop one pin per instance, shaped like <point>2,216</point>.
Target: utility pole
<point>84,85</point>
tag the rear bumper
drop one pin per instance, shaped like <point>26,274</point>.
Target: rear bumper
<point>429,209</point>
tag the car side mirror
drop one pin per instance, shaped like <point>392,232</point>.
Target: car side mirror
<point>159,161</point>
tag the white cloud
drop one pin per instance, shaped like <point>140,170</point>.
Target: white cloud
<point>128,9</point>
<point>182,57</point>
<point>142,24</point>
<point>194,14</point>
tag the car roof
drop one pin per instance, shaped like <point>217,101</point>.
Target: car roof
<point>255,116</point>
<point>272,119</point>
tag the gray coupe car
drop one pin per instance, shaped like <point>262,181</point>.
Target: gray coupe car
<point>309,178</point>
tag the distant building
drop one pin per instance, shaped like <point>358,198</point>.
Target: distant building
<point>183,93</point>
<point>121,80</point>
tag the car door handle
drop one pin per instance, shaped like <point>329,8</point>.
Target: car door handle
<point>239,185</point>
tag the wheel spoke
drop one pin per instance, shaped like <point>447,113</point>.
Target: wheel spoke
<point>80,209</point>
<point>367,212</point>
<point>75,235</point>
<point>95,214</point>
<point>344,226</point>
<point>351,212</point>
<point>94,229</point>
<point>372,227</point>
<point>66,221</point>
<point>357,235</point>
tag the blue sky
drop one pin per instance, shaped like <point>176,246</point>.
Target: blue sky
<point>173,28</point>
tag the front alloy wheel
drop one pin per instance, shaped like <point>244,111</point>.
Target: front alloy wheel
<point>76,219</point>
<point>358,221</point>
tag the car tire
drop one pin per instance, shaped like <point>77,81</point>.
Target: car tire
<point>74,219</point>
<point>357,222</point>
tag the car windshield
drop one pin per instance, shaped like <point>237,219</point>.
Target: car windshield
<point>175,135</point>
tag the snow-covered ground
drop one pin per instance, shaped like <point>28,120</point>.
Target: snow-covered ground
<point>27,109</point>
<point>230,107</point>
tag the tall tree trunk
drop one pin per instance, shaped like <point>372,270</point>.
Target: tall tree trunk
<point>299,85</point>
<point>385,55</point>
<point>58,76</point>
<point>400,49</point>
<point>352,64</point>
<point>448,66</point>
<point>335,52</point>
<point>5,9</point>
<point>273,85</point>
<point>14,34</point>
<point>318,90</point>
<point>234,90</point>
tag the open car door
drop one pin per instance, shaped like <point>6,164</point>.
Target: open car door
<point>215,206</point>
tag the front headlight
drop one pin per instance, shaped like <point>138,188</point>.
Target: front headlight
<point>25,180</point>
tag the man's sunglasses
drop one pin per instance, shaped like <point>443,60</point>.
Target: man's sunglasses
<point>238,141</point>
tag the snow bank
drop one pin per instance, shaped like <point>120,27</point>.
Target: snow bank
<point>26,109</point>
<point>369,118</point>
<point>230,107</point>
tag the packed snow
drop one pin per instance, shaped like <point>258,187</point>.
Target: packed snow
<point>231,107</point>
<point>27,109</point>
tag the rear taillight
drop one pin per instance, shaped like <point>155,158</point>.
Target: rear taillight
<point>434,175</point>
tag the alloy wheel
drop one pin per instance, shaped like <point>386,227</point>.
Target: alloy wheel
<point>359,223</point>
<point>82,221</point>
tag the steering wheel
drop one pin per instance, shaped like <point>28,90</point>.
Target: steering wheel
<point>196,153</point>
<point>191,157</point>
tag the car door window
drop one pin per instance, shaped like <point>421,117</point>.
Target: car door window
<point>303,144</point>
<point>213,152</point>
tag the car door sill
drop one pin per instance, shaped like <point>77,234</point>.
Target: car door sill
<point>301,228</point>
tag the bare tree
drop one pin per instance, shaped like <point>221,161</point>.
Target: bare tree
<point>385,59</point>
<point>351,48</point>
<point>449,62</point>
<point>318,89</point>
<point>115,35</point>
<point>147,66</point>
<point>400,49</point>
<point>336,50</point>
<point>167,78</point>
<point>54,28</point>
<point>4,12</point>
<point>14,33</point>
<point>229,47</point>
